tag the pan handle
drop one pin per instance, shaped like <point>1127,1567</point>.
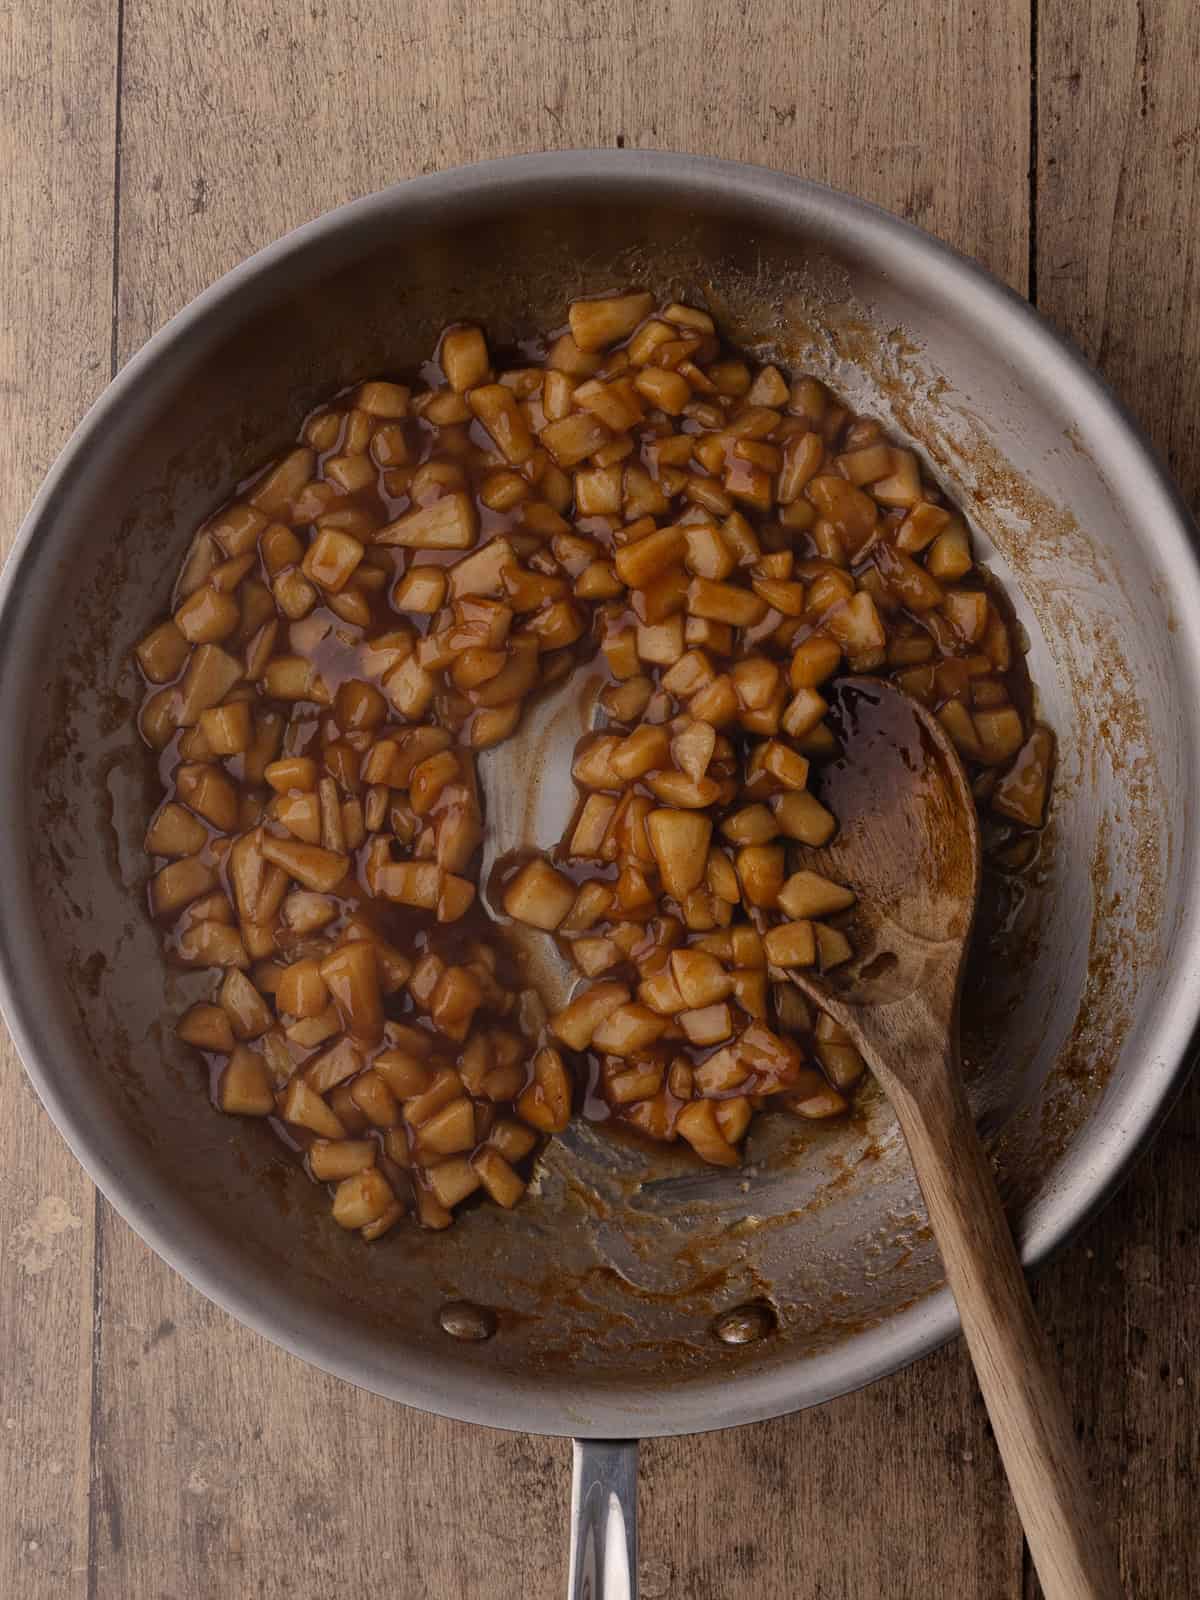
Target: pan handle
<point>604,1520</point>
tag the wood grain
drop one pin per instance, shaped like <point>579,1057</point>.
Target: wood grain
<point>223,1467</point>
<point>1117,266</point>
<point>228,1468</point>
<point>241,120</point>
<point>869,1496</point>
<point>56,229</point>
<point>1118,187</point>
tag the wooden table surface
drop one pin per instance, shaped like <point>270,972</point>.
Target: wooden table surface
<point>150,1447</point>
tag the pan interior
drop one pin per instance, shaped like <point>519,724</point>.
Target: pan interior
<point>607,1279</point>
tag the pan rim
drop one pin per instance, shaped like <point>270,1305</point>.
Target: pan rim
<point>1081,1187</point>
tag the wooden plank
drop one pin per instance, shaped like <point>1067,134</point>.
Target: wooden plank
<point>57,88</point>
<point>1118,260</point>
<point>1118,250</point>
<point>226,1467</point>
<point>1125,1294</point>
<point>244,120</point>
<point>867,1496</point>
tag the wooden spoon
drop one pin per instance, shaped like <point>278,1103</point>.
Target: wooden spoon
<point>909,847</point>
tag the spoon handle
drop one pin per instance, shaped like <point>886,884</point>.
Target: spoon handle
<point>1012,1357</point>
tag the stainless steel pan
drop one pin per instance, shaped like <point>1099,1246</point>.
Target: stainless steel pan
<point>605,1293</point>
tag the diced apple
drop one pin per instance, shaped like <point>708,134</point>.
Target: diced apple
<point>182,881</point>
<point>792,944</point>
<point>725,602</point>
<point>816,659</point>
<point>697,1123</point>
<point>464,357</point>
<point>503,1185</point>
<point>302,991</point>
<point>207,1027</point>
<point>677,789</point>
<point>707,1025</point>
<point>635,1083</point>
<point>249,1014</point>
<point>317,869</point>
<point>304,1107</point>
<point>163,652</point>
<point>447,524</point>
<point>453,1181</point>
<point>421,589</point>
<point>596,323</point>
<point>833,947</point>
<point>574,438</point>
<point>539,896</point>
<point>227,728</point>
<point>803,712</point>
<point>783,764</point>
<point>450,1130</point>
<point>761,869</point>
<point>244,1088</point>
<point>362,1199</point>
<point>577,1022</point>
<point>808,894</point>
<point>497,409</point>
<point>680,842</point>
<point>591,826</point>
<point>351,974</point>
<point>1021,792</point>
<point>801,816</point>
<point>212,944</point>
<point>175,832</point>
<point>341,1061</point>
<point>546,1103</point>
<point>1000,732</point>
<point>700,977</point>
<point>455,897</point>
<point>211,673</point>
<point>627,1029</point>
<point>207,616</point>
<point>331,1160</point>
<point>208,792</point>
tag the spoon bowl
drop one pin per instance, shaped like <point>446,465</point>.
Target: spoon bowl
<point>907,844</point>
